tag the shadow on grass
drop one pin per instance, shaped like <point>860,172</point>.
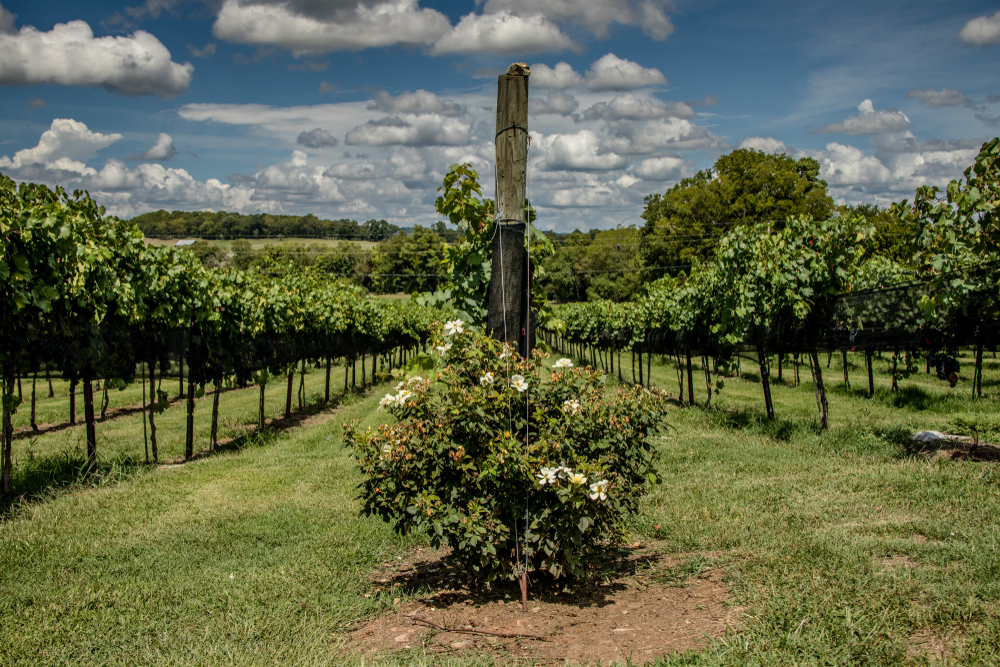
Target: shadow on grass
<point>438,574</point>
<point>754,421</point>
<point>36,478</point>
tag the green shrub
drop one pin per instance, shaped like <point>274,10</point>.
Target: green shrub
<point>456,464</point>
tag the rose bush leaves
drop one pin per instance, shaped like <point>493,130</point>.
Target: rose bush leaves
<point>464,461</point>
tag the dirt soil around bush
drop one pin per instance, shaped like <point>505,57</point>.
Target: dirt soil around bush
<point>648,604</point>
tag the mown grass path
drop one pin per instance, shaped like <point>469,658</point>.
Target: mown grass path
<point>845,548</point>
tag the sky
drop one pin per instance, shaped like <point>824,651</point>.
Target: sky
<point>357,108</point>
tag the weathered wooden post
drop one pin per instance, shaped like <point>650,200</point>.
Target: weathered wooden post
<point>508,317</point>
<point>507,308</point>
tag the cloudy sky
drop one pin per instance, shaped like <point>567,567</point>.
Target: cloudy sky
<point>356,108</point>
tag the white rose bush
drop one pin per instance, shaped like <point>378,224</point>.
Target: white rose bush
<point>484,432</point>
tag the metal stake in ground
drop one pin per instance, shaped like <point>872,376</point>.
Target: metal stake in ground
<point>507,316</point>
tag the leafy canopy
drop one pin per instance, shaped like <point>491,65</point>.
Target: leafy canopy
<point>744,187</point>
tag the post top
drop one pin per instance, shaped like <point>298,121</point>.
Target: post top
<point>518,69</point>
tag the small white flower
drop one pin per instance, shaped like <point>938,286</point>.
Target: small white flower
<point>386,448</point>
<point>571,407</point>
<point>563,363</point>
<point>400,399</point>
<point>599,490</point>
<point>563,470</point>
<point>386,402</point>
<point>518,382</point>
<point>414,380</point>
<point>507,352</point>
<point>454,327</point>
<point>547,476</point>
<point>401,385</point>
<point>577,478</point>
<point>486,379</point>
<point>442,349</point>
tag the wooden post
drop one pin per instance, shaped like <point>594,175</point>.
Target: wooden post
<point>765,380</point>
<point>6,464</point>
<point>690,379</point>
<point>708,380</point>
<point>88,415</point>
<point>871,374</point>
<point>824,407</point>
<point>215,417</point>
<point>260,417</point>
<point>189,432</point>
<point>326,401</point>
<point>153,398</point>
<point>34,381</point>
<point>507,309</point>
<point>145,436</point>
<point>72,402</point>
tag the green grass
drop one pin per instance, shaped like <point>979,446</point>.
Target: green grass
<point>258,556</point>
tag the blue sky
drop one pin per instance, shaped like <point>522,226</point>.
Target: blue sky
<point>356,109</point>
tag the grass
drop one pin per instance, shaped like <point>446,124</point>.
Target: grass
<point>841,547</point>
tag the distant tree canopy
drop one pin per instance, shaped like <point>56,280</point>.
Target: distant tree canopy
<point>894,238</point>
<point>599,265</point>
<point>220,224</point>
<point>743,187</point>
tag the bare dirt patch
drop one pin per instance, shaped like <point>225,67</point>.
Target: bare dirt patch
<point>932,644</point>
<point>899,560</point>
<point>649,604</point>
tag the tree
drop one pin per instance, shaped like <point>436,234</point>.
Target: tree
<point>378,230</point>
<point>410,262</point>
<point>743,187</point>
<point>893,239</point>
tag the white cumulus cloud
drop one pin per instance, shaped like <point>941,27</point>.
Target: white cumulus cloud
<point>658,136</point>
<point>317,138</point>
<point>946,97</point>
<point>162,149</point>
<point>342,28</point>
<point>557,102</point>
<point>768,145</point>
<point>70,55</point>
<point>659,169</point>
<point>869,122</point>
<point>6,21</point>
<point>579,151</point>
<point>418,102</point>
<point>503,34</point>
<point>629,107</point>
<point>981,31</point>
<point>560,76</point>
<point>613,73</point>
<point>847,165</point>
<point>424,130</point>
<point>595,15</point>
<point>66,145</point>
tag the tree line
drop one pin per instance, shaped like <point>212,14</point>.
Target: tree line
<point>225,225</point>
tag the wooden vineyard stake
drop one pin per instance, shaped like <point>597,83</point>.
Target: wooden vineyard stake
<point>507,307</point>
